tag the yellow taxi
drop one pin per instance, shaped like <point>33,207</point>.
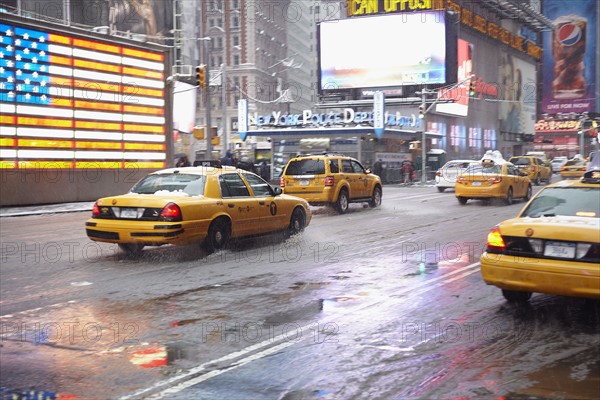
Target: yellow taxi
<point>492,178</point>
<point>331,179</point>
<point>202,204</point>
<point>573,168</point>
<point>534,167</point>
<point>552,246</point>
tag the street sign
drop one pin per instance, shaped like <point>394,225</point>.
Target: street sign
<point>379,113</point>
<point>243,118</point>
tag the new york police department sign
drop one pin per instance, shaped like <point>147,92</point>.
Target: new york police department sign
<point>348,117</point>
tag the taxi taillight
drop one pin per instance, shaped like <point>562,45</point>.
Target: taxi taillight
<point>532,169</point>
<point>438,173</point>
<point>496,179</point>
<point>282,182</point>
<point>461,179</point>
<point>95,210</point>
<point>171,212</point>
<point>329,181</point>
<point>495,241</point>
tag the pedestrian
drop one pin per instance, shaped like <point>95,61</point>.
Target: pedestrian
<point>378,167</point>
<point>228,158</point>
<point>407,170</point>
<point>183,162</point>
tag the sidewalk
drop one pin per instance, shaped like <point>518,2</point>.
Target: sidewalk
<point>19,211</point>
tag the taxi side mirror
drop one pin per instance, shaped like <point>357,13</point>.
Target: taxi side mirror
<point>277,190</point>
<point>368,171</point>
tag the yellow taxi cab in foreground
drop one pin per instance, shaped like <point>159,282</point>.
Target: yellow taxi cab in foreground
<point>574,168</point>
<point>331,179</point>
<point>204,204</point>
<point>552,246</point>
<point>490,179</point>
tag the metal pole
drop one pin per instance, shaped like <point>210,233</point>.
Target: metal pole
<point>423,136</point>
<point>207,99</point>
<point>225,122</point>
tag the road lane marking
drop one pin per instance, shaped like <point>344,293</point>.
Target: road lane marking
<point>267,347</point>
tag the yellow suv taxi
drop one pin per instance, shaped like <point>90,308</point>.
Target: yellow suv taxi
<point>331,179</point>
<point>534,167</point>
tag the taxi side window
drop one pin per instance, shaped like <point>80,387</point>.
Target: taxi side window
<point>347,167</point>
<point>334,166</point>
<point>357,167</point>
<point>510,170</point>
<point>232,185</point>
<point>259,187</point>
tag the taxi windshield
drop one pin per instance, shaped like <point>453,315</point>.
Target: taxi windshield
<point>567,201</point>
<point>190,184</point>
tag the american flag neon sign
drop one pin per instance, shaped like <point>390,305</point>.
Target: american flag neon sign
<point>73,102</point>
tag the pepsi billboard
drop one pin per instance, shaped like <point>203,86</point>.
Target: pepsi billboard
<point>569,59</point>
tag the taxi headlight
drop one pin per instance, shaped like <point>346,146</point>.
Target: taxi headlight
<point>582,249</point>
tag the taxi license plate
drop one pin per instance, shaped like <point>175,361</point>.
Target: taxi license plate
<point>560,249</point>
<point>129,213</point>
<point>476,184</point>
<point>304,182</point>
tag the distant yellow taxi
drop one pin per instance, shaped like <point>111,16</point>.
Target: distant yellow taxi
<point>491,179</point>
<point>574,168</point>
<point>204,204</point>
<point>552,246</point>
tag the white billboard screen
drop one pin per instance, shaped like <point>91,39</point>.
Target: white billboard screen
<point>383,51</point>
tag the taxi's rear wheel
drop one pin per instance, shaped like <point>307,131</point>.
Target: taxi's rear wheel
<point>528,194</point>
<point>515,296</point>
<point>441,189</point>
<point>297,222</point>
<point>218,235</point>
<point>462,200</point>
<point>341,204</point>
<point>536,181</point>
<point>509,196</point>
<point>375,198</point>
<point>131,249</point>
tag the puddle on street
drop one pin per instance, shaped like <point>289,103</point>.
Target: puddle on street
<point>568,379</point>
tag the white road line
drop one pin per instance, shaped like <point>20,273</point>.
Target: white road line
<point>192,375</point>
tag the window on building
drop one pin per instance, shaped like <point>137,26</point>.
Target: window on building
<point>235,4</point>
<point>220,60</point>
<point>236,86</point>
<point>236,59</point>
<point>235,21</point>
<point>219,43</point>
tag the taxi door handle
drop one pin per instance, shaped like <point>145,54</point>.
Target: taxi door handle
<point>230,205</point>
<point>262,203</point>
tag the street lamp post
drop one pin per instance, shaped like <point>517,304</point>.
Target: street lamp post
<point>224,94</point>
<point>207,132</point>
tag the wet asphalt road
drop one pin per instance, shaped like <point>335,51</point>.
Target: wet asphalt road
<point>378,303</point>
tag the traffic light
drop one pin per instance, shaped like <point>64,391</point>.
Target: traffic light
<point>422,111</point>
<point>472,87</point>
<point>201,76</point>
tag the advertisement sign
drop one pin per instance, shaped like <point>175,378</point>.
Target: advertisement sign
<point>459,94</point>
<point>569,61</point>
<point>518,94</point>
<point>184,107</point>
<point>71,101</point>
<point>359,52</point>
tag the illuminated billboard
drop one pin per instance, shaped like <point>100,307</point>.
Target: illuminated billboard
<point>386,51</point>
<point>70,101</point>
<point>570,54</point>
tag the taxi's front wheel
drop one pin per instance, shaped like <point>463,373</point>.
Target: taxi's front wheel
<point>131,249</point>
<point>509,197</point>
<point>218,234</point>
